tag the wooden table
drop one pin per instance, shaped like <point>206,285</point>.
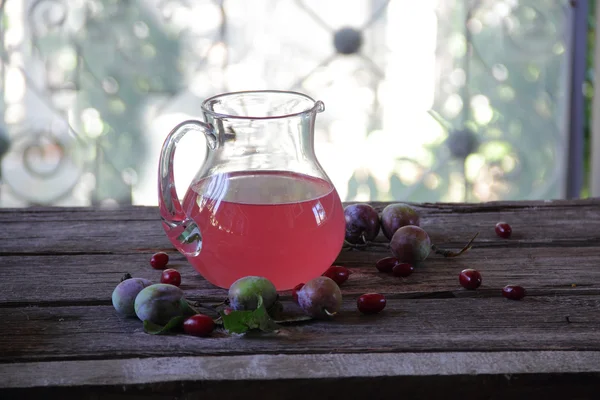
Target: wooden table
<point>59,334</point>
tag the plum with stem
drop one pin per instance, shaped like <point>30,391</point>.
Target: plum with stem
<point>243,293</point>
<point>362,223</point>
<point>320,298</point>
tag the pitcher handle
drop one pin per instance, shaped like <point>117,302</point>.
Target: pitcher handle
<point>171,211</point>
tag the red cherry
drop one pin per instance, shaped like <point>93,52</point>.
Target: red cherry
<point>503,230</point>
<point>470,279</point>
<point>386,264</point>
<point>371,303</point>
<point>513,292</point>
<point>159,260</point>
<point>295,291</point>
<point>337,273</point>
<point>403,270</point>
<point>171,276</point>
<point>199,325</point>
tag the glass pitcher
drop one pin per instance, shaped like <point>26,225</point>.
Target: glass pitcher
<point>261,204</point>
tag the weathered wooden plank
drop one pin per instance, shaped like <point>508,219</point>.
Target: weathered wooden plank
<point>74,214</point>
<point>73,279</point>
<point>133,228</point>
<point>69,260</point>
<point>138,371</point>
<point>91,278</point>
<point>406,325</point>
<point>581,386</point>
<point>82,237</point>
<point>137,213</point>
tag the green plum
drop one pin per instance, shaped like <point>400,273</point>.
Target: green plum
<point>159,303</point>
<point>243,293</point>
<point>410,244</point>
<point>123,296</point>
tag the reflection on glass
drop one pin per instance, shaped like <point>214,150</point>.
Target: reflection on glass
<point>319,212</point>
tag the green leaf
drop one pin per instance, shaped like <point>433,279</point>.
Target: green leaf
<point>174,324</point>
<point>262,318</point>
<point>243,321</point>
<point>235,322</point>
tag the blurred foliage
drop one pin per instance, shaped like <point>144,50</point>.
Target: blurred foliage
<point>121,56</point>
<point>94,63</point>
<point>501,96</point>
<point>500,87</point>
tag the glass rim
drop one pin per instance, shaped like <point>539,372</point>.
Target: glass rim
<point>316,106</point>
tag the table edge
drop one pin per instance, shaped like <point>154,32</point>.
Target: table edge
<point>139,371</point>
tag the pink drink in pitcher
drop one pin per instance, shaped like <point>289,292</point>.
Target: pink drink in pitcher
<point>261,204</point>
<point>284,226</point>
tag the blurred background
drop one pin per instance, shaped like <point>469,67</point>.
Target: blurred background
<point>430,100</point>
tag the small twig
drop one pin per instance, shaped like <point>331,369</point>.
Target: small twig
<point>360,246</point>
<point>196,304</point>
<point>223,303</point>
<point>356,246</point>
<point>451,253</point>
<point>293,319</point>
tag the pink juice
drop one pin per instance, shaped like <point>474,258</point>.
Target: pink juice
<point>284,226</point>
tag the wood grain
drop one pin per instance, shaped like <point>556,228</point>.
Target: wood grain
<point>61,337</point>
<point>406,325</point>
<point>292,367</point>
<point>133,229</point>
<point>59,279</point>
<point>581,385</point>
<point>60,251</point>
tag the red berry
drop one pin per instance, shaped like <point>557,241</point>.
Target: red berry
<point>371,303</point>
<point>171,276</point>
<point>386,264</point>
<point>199,325</point>
<point>513,292</point>
<point>159,260</point>
<point>295,291</point>
<point>403,270</point>
<point>470,279</point>
<point>503,230</point>
<point>337,273</point>
<point>227,310</point>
